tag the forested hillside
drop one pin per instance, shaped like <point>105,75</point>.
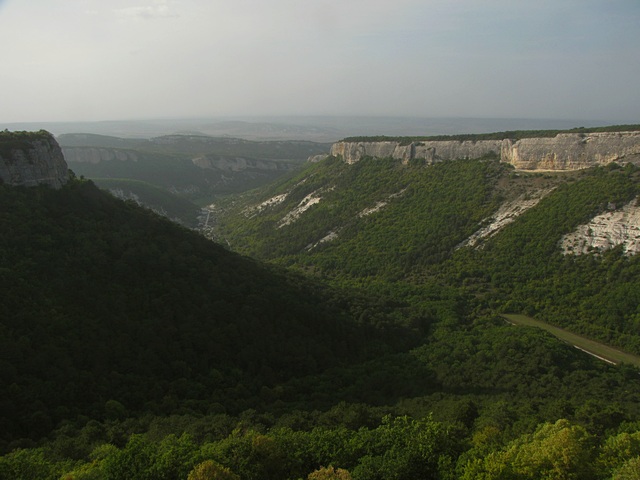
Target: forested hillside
<point>379,219</point>
<point>105,303</point>
<point>369,347</point>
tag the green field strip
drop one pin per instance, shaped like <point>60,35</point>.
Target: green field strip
<point>597,349</point>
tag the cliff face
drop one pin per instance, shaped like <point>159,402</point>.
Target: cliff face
<point>566,151</point>
<point>32,158</point>
<point>238,164</point>
<point>430,151</point>
<point>571,151</point>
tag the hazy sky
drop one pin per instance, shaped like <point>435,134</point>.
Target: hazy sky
<point>110,60</point>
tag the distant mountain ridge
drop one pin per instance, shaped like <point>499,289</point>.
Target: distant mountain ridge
<point>315,128</point>
<point>195,167</point>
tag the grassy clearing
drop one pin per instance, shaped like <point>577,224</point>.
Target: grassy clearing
<point>600,350</point>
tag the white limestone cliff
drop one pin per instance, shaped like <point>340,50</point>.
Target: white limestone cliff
<point>571,151</point>
<point>565,151</point>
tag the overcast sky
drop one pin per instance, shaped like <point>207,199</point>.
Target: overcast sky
<point>70,60</point>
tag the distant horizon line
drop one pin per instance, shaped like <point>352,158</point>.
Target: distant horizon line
<point>319,128</point>
<point>320,116</point>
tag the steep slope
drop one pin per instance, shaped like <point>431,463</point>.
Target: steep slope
<point>525,267</point>
<point>160,201</point>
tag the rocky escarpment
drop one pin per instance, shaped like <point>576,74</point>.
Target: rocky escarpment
<point>430,151</point>
<point>32,158</point>
<point>238,164</point>
<point>98,154</point>
<point>572,151</point>
<point>565,151</point>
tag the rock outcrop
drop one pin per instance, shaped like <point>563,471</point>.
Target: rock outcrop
<point>32,158</point>
<point>565,151</point>
<point>607,231</point>
<point>506,214</point>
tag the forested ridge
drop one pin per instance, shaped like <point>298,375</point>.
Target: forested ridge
<point>135,348</point>
<point>509,134</point>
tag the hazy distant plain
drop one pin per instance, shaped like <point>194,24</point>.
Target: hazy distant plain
<point>313,128</point>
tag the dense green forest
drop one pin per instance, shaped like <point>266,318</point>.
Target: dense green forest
<point>369,346</point>
<point>104,301</point>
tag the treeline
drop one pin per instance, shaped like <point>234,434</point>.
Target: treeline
<point>397,448</point>
<point>474,137</point>
<point>10,141</point>
<point>485,400</point>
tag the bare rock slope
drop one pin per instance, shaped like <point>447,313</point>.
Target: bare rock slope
<point>606,231</point>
